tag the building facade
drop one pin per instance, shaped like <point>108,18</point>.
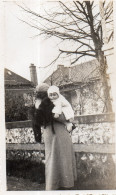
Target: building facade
<point>82,86</point>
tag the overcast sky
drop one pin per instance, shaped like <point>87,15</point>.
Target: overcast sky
<point>21,49</point>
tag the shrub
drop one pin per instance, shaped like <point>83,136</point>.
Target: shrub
<point>15,109</point>
<point>35,171</point>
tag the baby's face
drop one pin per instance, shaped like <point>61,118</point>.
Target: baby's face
<point>53,96</point>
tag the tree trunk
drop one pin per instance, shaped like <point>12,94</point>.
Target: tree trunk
<point>104,78</point>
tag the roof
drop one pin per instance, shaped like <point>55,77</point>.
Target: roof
<point>76,74</point>
<point>13,79</point>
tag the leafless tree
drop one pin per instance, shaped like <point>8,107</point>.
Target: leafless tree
<point>78,22</point>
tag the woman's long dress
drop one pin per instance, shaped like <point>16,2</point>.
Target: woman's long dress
<point>60,159</point>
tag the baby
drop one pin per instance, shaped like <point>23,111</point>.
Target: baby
<point>61,105</point>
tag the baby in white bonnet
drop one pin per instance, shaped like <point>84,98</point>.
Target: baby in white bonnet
<point>61,105</point>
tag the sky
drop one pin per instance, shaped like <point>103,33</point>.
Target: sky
<point>21,47</point>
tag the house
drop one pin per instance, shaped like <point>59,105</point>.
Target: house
<point>18,92</point>
<point>81,85</point>
<point>15,81</point>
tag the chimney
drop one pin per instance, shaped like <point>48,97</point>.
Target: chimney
<point>64,71</point>
<point>33,74</point>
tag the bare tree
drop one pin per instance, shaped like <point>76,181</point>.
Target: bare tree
<point>79,22</point>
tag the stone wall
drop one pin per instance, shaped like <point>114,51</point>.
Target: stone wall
<point>89,129</point>
<point>83,133</point>
<point>94,133</point>
<point>93,144</point>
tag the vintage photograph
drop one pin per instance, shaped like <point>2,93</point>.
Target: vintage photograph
<point>59,84</point>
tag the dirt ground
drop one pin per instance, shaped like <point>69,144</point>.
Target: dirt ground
<point>25,175</point>
<point>19,184</point>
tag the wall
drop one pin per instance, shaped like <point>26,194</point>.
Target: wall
<point>93,144</point>
<point>89,99</point>
<point>84,133</point>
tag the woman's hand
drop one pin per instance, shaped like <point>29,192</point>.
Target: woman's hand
<point>61,118</point>
<point>56,115</point>
<point>37,103</point>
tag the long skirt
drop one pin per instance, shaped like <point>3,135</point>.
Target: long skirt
<point>60,167</point>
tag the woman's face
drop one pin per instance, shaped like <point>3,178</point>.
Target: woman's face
<point>53,96</point>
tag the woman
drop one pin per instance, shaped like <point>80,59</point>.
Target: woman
<point>60,166</point>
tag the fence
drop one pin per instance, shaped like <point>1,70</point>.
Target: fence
<point>93,141</point>
<point>88,119</point>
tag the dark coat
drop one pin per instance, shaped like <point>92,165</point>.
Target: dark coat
<point>42,117</point>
